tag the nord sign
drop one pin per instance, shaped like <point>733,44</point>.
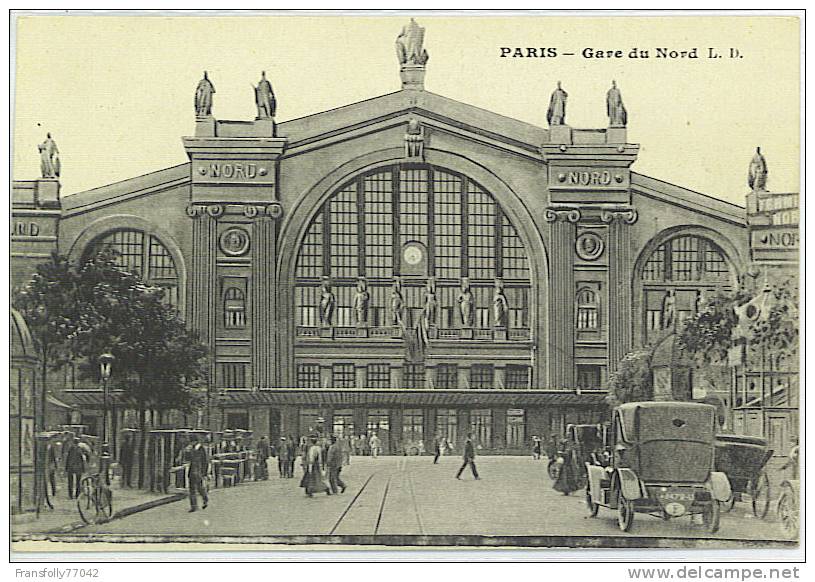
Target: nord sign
<point>776,239</point>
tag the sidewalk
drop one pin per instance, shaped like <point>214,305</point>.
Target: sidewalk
<point>65,516</point>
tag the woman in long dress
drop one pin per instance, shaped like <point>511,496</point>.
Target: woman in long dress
<point>566,481</point>
<point>312,480</point>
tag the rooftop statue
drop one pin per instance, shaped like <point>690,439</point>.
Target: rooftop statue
<point>264,98</point>
<point>557,107</point>
<point>757,178</point>
<point>49,158</point>
<point>409,45</point>
<point>617,115</point>
<point>203,97</point>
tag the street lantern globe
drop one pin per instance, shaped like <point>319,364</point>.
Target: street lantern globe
<point>105,362</point>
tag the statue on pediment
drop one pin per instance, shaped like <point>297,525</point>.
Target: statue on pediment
<point>265,99</point>
<point>617,115</point>
<point>397,304</point>
<point>757,177</point>
<point>556,115</point>
<point>409,45</point>
<point>49,158</point>
<point>203,97</point>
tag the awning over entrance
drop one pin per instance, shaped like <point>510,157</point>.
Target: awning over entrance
<point>418,398</point>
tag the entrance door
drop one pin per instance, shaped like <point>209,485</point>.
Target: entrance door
<point>778,434</point>
<point>379,423</point>
<point>274,426</point>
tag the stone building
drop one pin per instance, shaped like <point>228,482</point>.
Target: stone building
<point>409,264</point>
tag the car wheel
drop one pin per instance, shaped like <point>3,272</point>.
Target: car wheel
<point>711,516</point>
<point>625,513</point>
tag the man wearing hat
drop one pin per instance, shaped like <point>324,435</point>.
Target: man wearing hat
<point>283,458</point>
<point>199,469</point>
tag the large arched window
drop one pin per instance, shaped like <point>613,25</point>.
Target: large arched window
<point>414,223</point>
<point>143,255</point>
<point>677,279</point>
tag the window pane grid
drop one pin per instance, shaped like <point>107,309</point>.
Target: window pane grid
<point>482,377</point>
<point>343,376</point>
<point>447,376</point>
<point>310,259</point>
<point>342,210</point>
<point>379,376</point>
<point>481,233</point>
<point>378,199</point>
<point>447,224</point>
<point>414,376</point>
<point>161,262</point>
<point>515,261</point>
<point>517,377</point>
<point>308,376</point>
<point>685,263</point>
<point>413,209</point>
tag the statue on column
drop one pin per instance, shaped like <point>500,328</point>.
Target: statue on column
<point>397,304</point>
<point>49,158</point>
<point>757,177</point>
<point>466,304</point>
<point>203,97</point>
<point>669,309</point>
<point>327,303</point>
<point>361,300</point>
<point>409,49</point>
<point>617,115</point>
<point>500,305</point>
<point>431,304</point>
<point>264,98</point>
<point>557,107</point>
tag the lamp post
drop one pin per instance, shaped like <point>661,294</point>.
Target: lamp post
<point>105,363</point>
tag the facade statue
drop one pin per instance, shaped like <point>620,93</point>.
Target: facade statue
<point>617,115</point>
<point>327,303</point>
<point>203,97</point>
<point>431,304</point>
<point>362,299</point>
<point>500,305</point>
<point>409,49</point>
<point>49,158</point>
<point>397,304</point>
<point>557,107</point>
<point>466,304</point>
<point>669,309</point>
<point>414,140</point>
<point>264,98</point>
<point>757,178</point>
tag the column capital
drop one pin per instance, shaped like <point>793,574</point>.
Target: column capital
<point>553,214</point>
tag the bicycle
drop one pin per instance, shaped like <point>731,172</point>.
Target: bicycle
<point>95,501</point>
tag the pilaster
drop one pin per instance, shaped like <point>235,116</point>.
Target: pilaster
<point>620,316</point>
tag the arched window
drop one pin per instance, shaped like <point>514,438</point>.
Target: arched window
<point>587,309</point>
<point>412,222</point>
<point>234,308</point>
<point>677,279</point>
<point>143,255</point>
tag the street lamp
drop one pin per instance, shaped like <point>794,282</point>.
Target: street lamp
<point>105,363</point>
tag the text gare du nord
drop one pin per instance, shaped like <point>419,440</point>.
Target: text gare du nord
<point>634,53</point>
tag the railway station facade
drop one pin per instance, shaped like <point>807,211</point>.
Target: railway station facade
<point>409,265</point>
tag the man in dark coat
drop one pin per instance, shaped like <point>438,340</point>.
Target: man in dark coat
<point>264,451</point>
<point>469,458</point>
<point>126,455</point>
<point>437,447</point>
<point>283,458</point>
<point>74,466</point>
<point>199,469</point>
<point>334,466</point>
<point>292,447</point>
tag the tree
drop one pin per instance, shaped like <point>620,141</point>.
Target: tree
<point>632,381</point>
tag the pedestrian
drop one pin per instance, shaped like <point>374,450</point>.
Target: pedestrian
<point>792,460</point>
<point>363,445</point>
<point>126,455</point>
<point>437,447</point>
<point>51,466</point>
<point>469,458</point>
<point>551,447</point>
<point>74,466</point>
<point>263,453</point>
<point>198,471</point>
<point>292,456</point>
<point>334,466</point>
<point>566,481</point>
<point>536,448</point>
<point>345,447</point>
<point>283,458</point>
<point>312,480</point>
<point>375,445</point>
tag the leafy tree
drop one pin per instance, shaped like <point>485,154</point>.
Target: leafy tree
<point>632,380</point>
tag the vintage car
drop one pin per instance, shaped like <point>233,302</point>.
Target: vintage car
<point>662,464</point>
<point>744,459</point>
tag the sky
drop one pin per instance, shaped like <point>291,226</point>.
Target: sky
<point>117,92</point>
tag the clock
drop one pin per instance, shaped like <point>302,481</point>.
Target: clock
<point>413,255</point>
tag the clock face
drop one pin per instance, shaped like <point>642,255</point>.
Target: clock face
<point>413,255</point>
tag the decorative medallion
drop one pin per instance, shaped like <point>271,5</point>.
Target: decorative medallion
<point>234,242</point>
<point>589,246</point>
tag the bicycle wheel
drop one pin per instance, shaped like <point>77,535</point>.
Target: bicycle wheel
<point>86,505</point>
<point>104,501</point>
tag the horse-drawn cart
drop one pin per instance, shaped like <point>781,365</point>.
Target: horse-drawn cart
<point>743,459</point>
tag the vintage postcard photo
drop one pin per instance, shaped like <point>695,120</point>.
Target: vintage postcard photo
<point>405,280</point>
